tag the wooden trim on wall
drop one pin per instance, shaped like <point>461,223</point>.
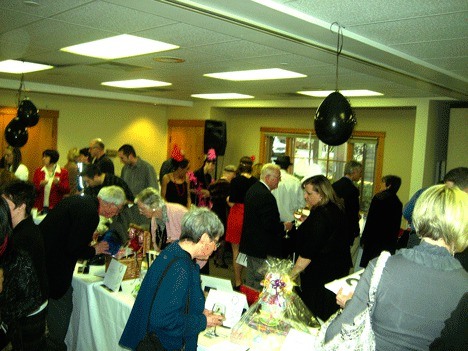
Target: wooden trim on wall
<point>186,123</point>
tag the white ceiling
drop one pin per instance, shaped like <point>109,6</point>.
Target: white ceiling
<point>415,48</point>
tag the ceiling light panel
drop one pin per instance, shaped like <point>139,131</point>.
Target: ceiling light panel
<point>120,46</point>
<point>348,93</point>
<point>136,83</point>
<point>19,67</point>
<point>259,74</point>
<point>222,96</point>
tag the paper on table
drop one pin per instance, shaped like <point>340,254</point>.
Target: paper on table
<point>233,301</point>
<point>348,283</point>
<point>228,346</point>
<point>297,341</point>
<point>242,259</point>
<point>114,275</point>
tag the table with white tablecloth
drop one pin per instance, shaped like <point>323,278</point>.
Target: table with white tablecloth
<point>99,315</point>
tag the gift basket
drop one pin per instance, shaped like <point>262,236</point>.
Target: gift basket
<point>278,312</point>
<point>133,254</point>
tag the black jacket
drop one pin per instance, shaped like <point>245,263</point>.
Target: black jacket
<point>262,229</point>
<point>67,231</point>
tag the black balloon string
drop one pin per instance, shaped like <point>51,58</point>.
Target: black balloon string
<point>339,47</point>
<point>21,88</point>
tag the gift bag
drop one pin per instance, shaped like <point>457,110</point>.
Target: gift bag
<point>278,312</point>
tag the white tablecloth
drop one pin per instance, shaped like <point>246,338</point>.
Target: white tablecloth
<point>99,317</point>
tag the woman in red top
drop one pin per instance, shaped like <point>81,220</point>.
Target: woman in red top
<point>51,182</point>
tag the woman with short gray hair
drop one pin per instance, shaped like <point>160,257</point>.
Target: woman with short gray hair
<point>177,315</point>
<point>166,217</point>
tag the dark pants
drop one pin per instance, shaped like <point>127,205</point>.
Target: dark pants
<point>58,319</point>
<point>29,334</point>
<point>254,272</point>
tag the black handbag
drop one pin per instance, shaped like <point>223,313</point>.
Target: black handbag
<point>151,341</point>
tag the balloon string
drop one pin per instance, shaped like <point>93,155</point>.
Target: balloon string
<point>21,87</point>
<point>339,47</point>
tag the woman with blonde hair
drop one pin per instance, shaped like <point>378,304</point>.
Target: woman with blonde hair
<point>72,169</point>
<point>322,246</point>
<point>421,286</point>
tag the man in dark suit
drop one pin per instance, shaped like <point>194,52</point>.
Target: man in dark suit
<point>346,189</point>
<point>68,231</point>
<point>262,229</point>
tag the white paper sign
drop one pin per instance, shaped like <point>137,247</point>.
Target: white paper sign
<point>233,302</point>
<point>242,259</point>
<point>114,275</point>
<point>348,283</point>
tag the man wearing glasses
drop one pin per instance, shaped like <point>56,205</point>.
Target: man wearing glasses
<point>68,231</point>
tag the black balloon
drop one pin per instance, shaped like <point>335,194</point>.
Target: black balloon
<point>334,120</point>
<point>16,134</point>
<point>27,113</point>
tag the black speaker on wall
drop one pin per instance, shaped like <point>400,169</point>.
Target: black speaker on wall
<point>215,137</point>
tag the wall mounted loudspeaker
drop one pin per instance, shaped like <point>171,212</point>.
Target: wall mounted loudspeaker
<point>215,137</point>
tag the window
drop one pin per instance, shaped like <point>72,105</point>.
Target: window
<point>305,149</point>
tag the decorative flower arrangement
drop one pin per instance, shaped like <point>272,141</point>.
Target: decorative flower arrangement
<point>276,289</point>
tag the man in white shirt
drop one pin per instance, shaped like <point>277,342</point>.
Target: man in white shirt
<point>289,197</point>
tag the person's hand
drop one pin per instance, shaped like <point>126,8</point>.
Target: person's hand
<point>43,182</point>
<point>102,248</point>
<point>95,236</point>
<point>213,319</point>
<point>342,297</point>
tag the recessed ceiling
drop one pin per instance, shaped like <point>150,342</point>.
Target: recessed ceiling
<point>403,49</point>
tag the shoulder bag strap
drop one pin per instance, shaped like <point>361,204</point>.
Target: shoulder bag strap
<point>375,280</point>
<point>157,288</point>
<point>187,304</point>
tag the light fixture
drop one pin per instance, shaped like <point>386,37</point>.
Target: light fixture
<point>348,93</point>
<point>120,46</point>
<point>256,74</point>
<point>334,120</point>
<point>136,83</point>
<point>222,96</point>
<point>20,67</point>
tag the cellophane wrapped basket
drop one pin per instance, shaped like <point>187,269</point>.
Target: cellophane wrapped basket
<point>278,311</point>
<point>132,255</point>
